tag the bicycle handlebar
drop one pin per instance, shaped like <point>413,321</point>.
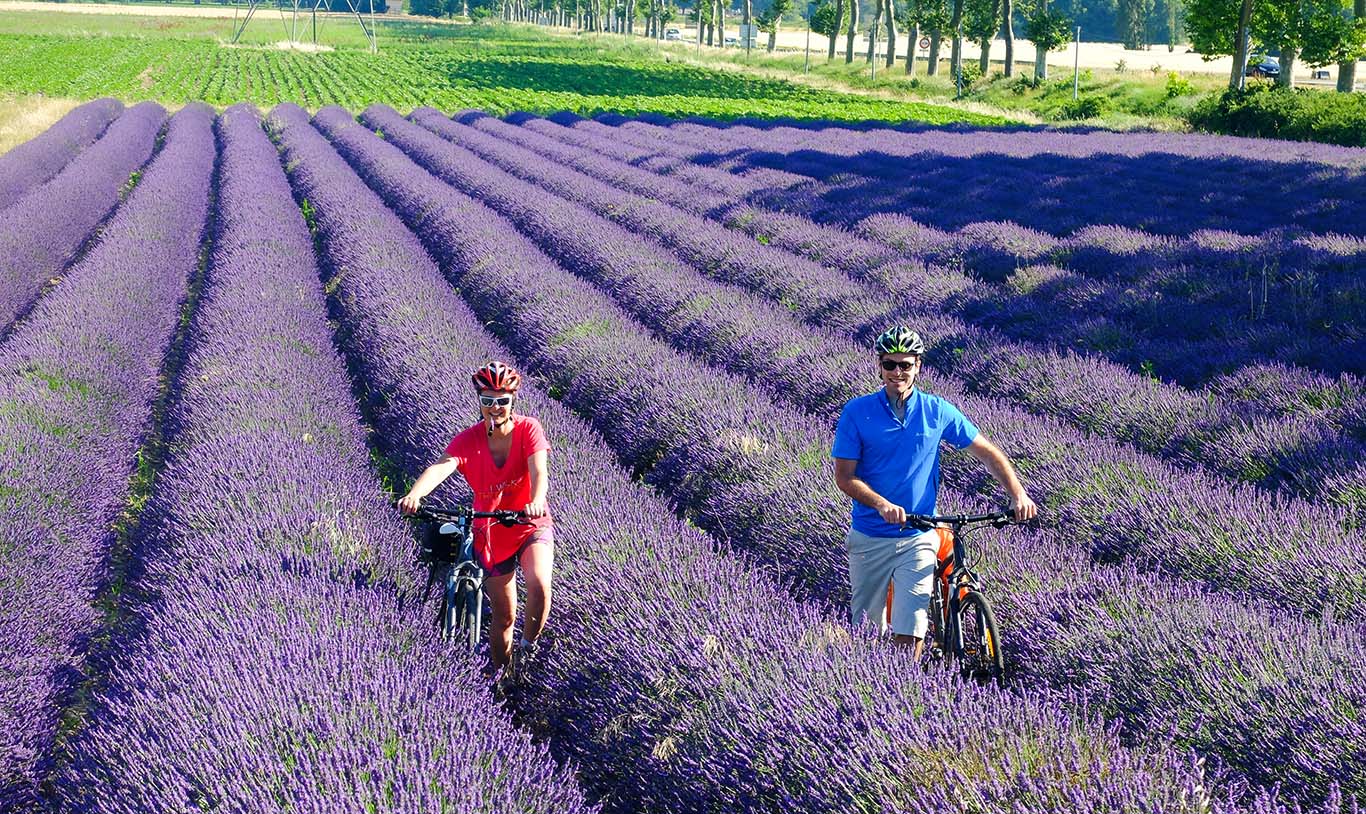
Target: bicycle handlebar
<point>505,516</point>
<point>997,519</point>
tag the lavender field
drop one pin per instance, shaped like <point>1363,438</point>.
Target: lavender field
<point>227,338</point>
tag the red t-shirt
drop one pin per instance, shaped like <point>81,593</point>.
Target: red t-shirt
<point>505,487</point>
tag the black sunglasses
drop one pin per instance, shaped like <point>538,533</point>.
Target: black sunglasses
<point>495,401</point>
<point>890,365</point>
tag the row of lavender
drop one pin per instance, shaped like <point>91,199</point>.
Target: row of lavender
<point>34,162</point>
<point>280,658</point>
<point>1289,294</point>
<point>79,377</point>
<point>861,257</point>
<point>43,231</point>
<point>945,289</point>
<point>1308,439</point>
<point>818,372</point>
<point>663,681</point>
<point>1125,171</point>
<point>726,465</point>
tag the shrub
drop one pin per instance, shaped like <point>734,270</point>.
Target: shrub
<point>1265,111</point>
<point>1087,107</point>
<point>1177,85</point>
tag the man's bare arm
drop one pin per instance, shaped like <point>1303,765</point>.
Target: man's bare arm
<point>999,466</point>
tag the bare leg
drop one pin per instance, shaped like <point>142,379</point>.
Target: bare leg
<point>502,594</point>
<point>538,561</point>
<point>903,640</point>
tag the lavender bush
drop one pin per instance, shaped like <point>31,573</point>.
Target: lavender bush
<point>1167,420</point>
<point>78,379</point>
<point>1291,276</point>
<point>440,214</point>
<point>34,162</point>
<point>42,232</point>
<point>281,660</point>
<point>1049,452</point>
<point>670,708</point>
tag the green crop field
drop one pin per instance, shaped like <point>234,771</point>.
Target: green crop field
<point>494,68</point>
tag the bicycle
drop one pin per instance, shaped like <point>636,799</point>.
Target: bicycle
<point>962,625</point>
<point>447,548</point>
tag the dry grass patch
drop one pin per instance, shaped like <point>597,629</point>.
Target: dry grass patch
<point>23,117</point>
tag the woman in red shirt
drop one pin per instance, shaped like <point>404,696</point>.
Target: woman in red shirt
<point>504,460</point>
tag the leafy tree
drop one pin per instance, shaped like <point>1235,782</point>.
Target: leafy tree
<point>770,19</point>
<point>931,16</point>
<point>1347,65</point>
<point>980,24</point>
<point>1048,30</point>
<point>1133,22</point>
<point>1318,31</point>
<point>827,19</point>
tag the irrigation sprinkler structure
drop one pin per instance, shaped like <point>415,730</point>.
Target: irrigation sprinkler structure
<point>290,13</point>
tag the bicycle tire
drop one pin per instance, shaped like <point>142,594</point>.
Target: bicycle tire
<point>975,639</point>
<point>469,613</point>
<point>450,605</point>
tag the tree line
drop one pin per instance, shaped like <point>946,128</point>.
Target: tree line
<point>1315,32</point>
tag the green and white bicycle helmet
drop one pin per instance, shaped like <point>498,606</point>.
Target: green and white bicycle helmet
<point>899,339</point>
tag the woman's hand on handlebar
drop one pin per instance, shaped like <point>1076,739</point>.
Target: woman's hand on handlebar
<point>409,504</point>
<point>535,508</point>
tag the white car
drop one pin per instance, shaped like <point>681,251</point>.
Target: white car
<point>673,34</point>
<point>730,42</point>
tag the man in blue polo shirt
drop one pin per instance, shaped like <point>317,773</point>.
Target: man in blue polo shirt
<point>886,455</point>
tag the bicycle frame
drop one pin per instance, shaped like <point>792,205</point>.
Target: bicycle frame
<point>462,606</point>
<point>956,584</point>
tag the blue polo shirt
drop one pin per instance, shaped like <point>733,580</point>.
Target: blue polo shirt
<point>899,459</point>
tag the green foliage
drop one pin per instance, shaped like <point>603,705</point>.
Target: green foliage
<point>773,15</point>
<point>1323,31</point>
<point>824,20</point>
<point>1304,115</point>
<point>1133,22</point>
<point>971,72</point>
<point>496,68</point>
<point>1178,86</point>
<point>981,19</point>
<point>429,8</point>
<point>1048,29</point>
<point>1085,107</point>
<point>931,14</point>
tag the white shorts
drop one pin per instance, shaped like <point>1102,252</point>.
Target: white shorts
<point>907,561</point>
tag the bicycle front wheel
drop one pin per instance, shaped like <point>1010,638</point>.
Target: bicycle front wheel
<point>975,640</point>
<point>464,615</point>
<point>451,605</point>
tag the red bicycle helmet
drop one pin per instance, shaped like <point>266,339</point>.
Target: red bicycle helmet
<point>497,376</point>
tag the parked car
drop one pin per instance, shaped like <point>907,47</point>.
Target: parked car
<point>1263,65</point>
<point>673,34</point>
<point>730,42</point>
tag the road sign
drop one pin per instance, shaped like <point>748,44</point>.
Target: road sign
<point>924,43</point>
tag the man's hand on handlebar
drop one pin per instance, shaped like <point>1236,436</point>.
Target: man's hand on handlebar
<point>1024,508</point>
<point>535,508</point>
<point>892,513</point>
<point>409,504</point>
